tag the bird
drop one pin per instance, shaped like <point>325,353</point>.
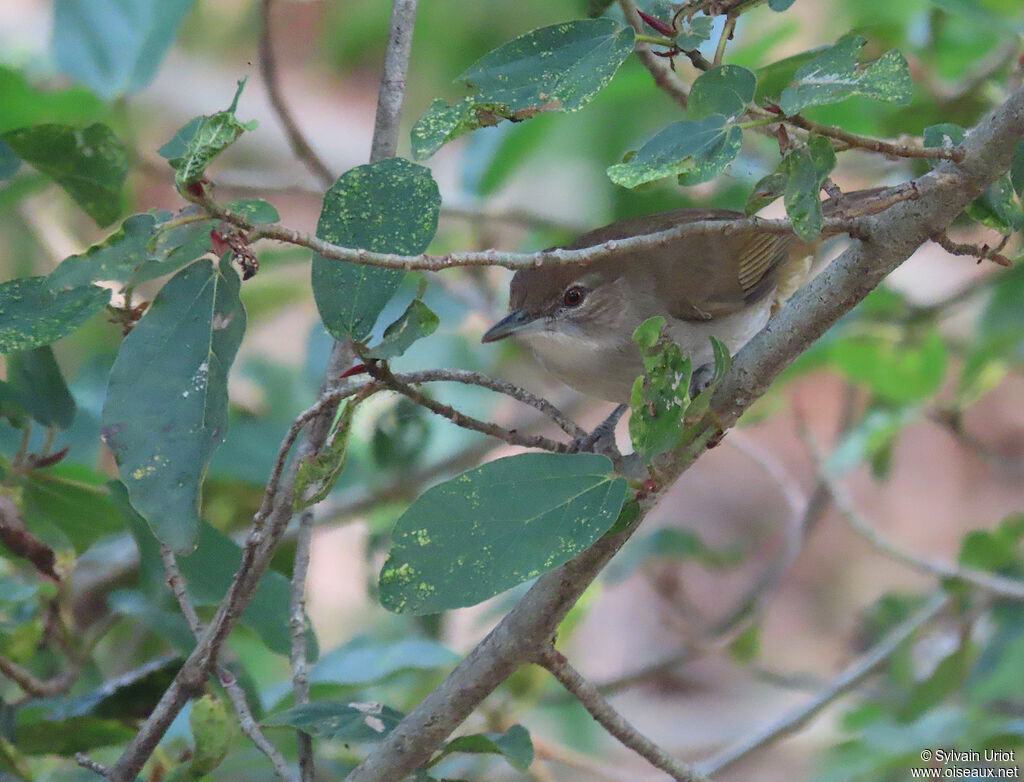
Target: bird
<point>578,319</point>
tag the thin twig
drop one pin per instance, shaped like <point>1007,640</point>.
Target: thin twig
<point>236,695</point>
<point>727,30</point>
<point>619,248</point>
<point>247,722</point>
<point>661,71</point>
<point>268,70</point>
<point>297,625</point>
<point>894,236</point>
<point>275,512</point>
<point>176,581</point>
<point>998,585</point>
<point>613,722</point>
<point>40,688</point>
<point>882,146</point>
<point>839,686</point>
<point>381,373</point>
<point>518,393</point>
<point>94,766</point>
<point>981,252</point>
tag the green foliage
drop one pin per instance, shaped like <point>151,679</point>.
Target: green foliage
<point>209,571</point>
<point>835,75</point>
<point>556,68</point>
<point>660,401</point>
<point>91,164</point>
<point>338,720</point>
<point>514,745</point>
<point>365,660</point>
<point>416,322</point>
<point>31,315</point>
<point>319,473</point>
<point>72,499</point>
<point>195,146</point>
<point>694,150</point>
<point>390,206</point>
<point>115,48</point>
<point>213,732</point>
<point>170,377</point>
<point>495,526</point>
<point>955,684</point>
<point>34,377</point>
<point>725,90</point>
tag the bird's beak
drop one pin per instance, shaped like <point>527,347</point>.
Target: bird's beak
<point>515,321</point>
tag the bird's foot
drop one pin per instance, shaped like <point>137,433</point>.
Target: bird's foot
<point>602,439</point>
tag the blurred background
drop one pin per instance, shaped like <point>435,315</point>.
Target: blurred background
<point>923,417</point>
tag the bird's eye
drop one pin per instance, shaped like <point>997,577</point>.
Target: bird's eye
<point>573,296</point>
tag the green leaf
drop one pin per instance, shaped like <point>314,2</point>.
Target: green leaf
<point>1017,169</point>
<point>167,401</point>
<point>25,105</point>
<point>875,434</point>
<point>213,134</point>
<point>780,5</point>
<point>696,150</point>
<point>835,75</point>
<point>556,68</point>
<point>40,736</point>
<point>35,377</point>
<point>390,206</point>
<point>355,722</point>
<point>996,549</point>
<point>209,571</point>
<point>725,90</point>
<point>772,79</point>
<point>254,209</point>
<point>946,679</point>
<point>747,645</point>
<point>178,144</point>
<point>806,171</point>
<point>213,732</point>
<point>115,258</point>
<point>998,207</point>
<point>147,246</point>
<point>115,47</point>
<point>660,396</point>
<point>134,692</point>
<point>898,372</point>
<point>493,527</point>
<point>769,189</point>
<point>514,745</point>
<point>166,624</point>
<point>90,164</point>
<point>365,660</point>
<point>31,315</point>
<point>1001,325</point>
<point>74,500</point>
<point>416,322</point>
<point>318,474</point>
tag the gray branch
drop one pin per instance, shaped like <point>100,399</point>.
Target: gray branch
<point>883,243</point>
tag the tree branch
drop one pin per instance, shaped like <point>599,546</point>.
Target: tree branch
<point>990,582</point>
<point>613,722</point>
<point>246,721</point>
<point>839,686</point>
<point>276,510</point>
<point>297,625</point>
<point>381,373</point>
<point>889,239</point>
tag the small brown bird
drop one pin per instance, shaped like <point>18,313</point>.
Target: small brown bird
<point>579,320</point>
